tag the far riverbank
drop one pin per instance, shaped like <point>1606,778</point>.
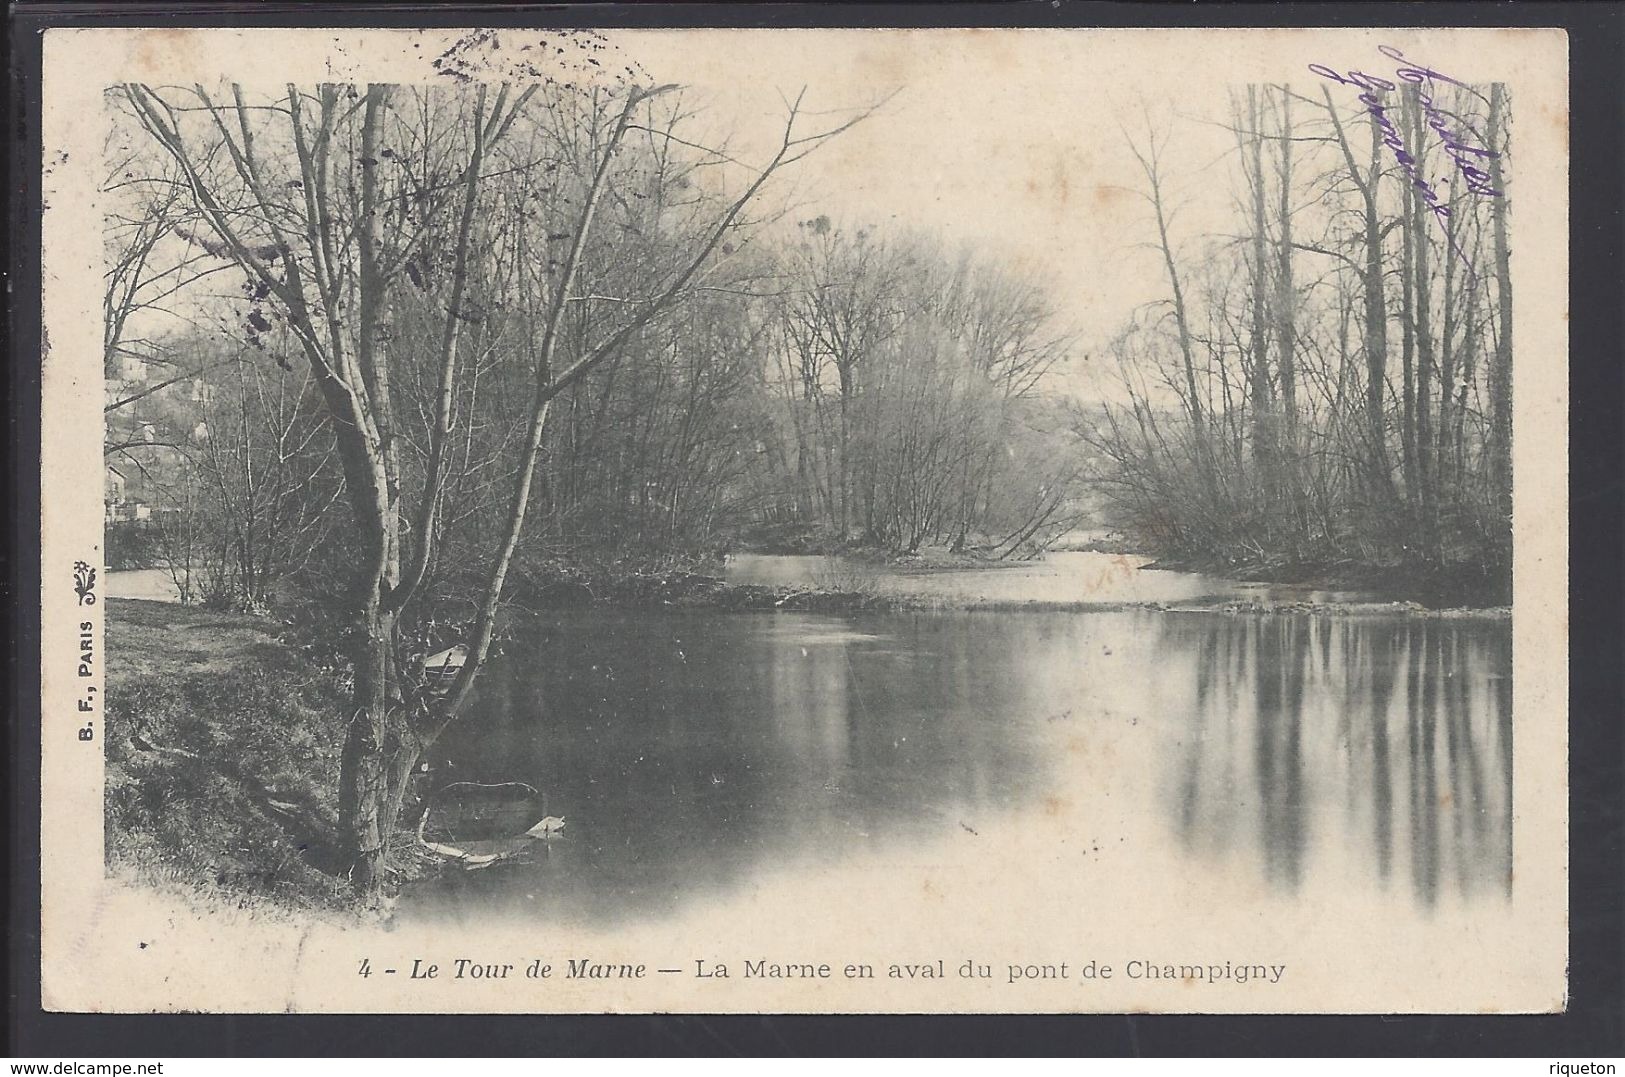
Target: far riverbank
<point>1062,581</point>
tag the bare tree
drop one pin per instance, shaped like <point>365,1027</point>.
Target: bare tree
<point>1150,160</point>
<point>296,192</point>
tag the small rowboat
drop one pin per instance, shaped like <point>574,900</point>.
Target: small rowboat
<point>473,855</point>
<point>477,825</point>
<point>442,668</point>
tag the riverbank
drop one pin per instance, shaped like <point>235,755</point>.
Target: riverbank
<point>1452,588</point>
<point>222,757</point>
<point>1444,588</point>
<point>1070,581</point>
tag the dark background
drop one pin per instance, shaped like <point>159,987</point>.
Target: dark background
<point>1594,1024</point>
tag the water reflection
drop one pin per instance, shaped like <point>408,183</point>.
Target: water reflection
<point>1393,738</point>
<point>693,752</point>
<point>687,751</point>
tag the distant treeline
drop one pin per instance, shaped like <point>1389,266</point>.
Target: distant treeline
<point>1330,380</point>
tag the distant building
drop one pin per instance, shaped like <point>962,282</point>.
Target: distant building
<point>113,495</point>
<point>132,369</point>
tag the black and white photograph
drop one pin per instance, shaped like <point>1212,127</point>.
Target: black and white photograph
<point>824,521</point>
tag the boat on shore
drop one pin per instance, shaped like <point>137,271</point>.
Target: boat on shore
<point>477,825</point>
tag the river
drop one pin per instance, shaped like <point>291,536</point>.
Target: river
<point>693,754</point>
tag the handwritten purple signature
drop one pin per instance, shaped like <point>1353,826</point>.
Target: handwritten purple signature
<point>1466,154</point>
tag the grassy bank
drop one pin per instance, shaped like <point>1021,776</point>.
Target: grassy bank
<point>222,755</point>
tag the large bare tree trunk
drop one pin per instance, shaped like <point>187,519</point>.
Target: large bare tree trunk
<point>1150,165</point>
<point>1379,478</point>
<point>1422,298</point>
<point>1286,305</point>
<point>352,375</point>
<point>1259,395</point>
<point>1501,370</point>
<point>844,370</point>
<point>1409,241</point>
<point>1443,455</point>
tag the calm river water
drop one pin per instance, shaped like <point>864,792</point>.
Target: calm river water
<point>692,752</point>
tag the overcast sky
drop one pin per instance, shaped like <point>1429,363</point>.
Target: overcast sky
<point>1013,141</point>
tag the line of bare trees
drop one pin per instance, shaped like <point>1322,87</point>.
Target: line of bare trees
<point>1331,380</point>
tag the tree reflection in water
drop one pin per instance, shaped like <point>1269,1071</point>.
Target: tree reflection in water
<point>696,752</point>
<point>1393,737</point>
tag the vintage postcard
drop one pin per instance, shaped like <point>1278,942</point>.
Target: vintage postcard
<point>827,521</point>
